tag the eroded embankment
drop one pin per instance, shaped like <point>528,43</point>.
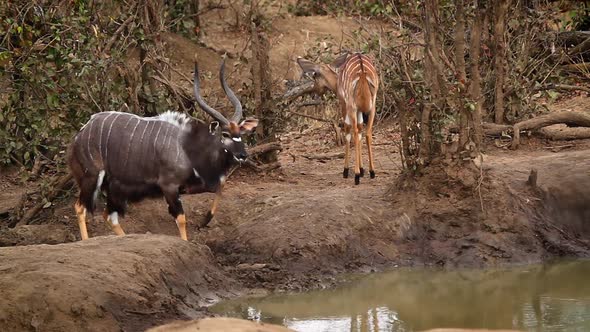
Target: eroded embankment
<point>105,284</point>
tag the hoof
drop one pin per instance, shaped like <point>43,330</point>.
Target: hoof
<point>357,179</point>
<point>206,220</point>
<point>345,173</point>
<point>362,172</point>
<point>372,174</point>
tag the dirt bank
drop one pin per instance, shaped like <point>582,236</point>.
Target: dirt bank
<point>106,284</point>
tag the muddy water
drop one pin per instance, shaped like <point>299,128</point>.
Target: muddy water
<point>551,297</point>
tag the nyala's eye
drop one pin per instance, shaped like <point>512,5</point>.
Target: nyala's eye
<point>226,135</point>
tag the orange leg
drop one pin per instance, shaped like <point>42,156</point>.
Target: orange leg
<point>360,148</point>
<point>346,150</point>
<point>181,223</point>
<point>369,135</point>
<point>357,170</point>
<point>81,212</point>
<point>113,221</point>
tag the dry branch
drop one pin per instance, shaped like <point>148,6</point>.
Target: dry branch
<point>328,156</point>
<point>119,30</point>
<point>583,67</point>
<point>56,188</point>
<point>581,47</point>
<point>299,89</point>
<point>570,38</point>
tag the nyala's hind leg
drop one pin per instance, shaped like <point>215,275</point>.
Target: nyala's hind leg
<point>112,219</point>
<point>115,207</point>
<point>175,209</point>
<point>81,212</point>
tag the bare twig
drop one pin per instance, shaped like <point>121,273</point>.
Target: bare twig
<point>115,35</point>
<point>58,186</point>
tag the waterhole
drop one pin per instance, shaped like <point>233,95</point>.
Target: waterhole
<point>548,297</point>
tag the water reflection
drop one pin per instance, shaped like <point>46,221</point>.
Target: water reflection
<point>551,297</point>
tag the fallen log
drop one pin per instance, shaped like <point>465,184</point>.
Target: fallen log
<point>569,118</point>
<point>565,87</point>
<point>564,134</point>
<point>264,148</point>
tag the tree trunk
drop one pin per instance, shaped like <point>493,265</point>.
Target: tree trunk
<point>262,84</point>
<point>501,6</point>
<point>197,19</point>
<point>475,79</point>
<point>461,71</point>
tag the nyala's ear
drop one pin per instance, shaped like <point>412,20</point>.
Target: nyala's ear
<point>339,61</point>
<point>308,66</point>
<point>213,126</point>
<point>248,125</point>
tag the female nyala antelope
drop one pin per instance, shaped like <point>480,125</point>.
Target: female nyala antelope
<point>130,157</point>
<point>355,81</point>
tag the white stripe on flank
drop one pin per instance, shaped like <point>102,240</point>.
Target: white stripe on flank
<point>196,173</point>
<point>100,134</point>
<point>130,141</point>
<point>143,134</point>
<point>106,149</point>
<point>169,140</point>
<point>355,82</point>
<point>88,141</point>
<point>114,218</point>
<point>156,138</point>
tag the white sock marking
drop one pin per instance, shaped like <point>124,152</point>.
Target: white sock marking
<point>359,117</point>
<point>348,137</point>
<point>114,218</point>
<point>347,120</point>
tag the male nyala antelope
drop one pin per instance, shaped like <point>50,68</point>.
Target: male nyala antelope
<point>130,157</point>
<point>354,79</point>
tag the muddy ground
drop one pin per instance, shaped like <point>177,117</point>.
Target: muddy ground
<point>294,228</point>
